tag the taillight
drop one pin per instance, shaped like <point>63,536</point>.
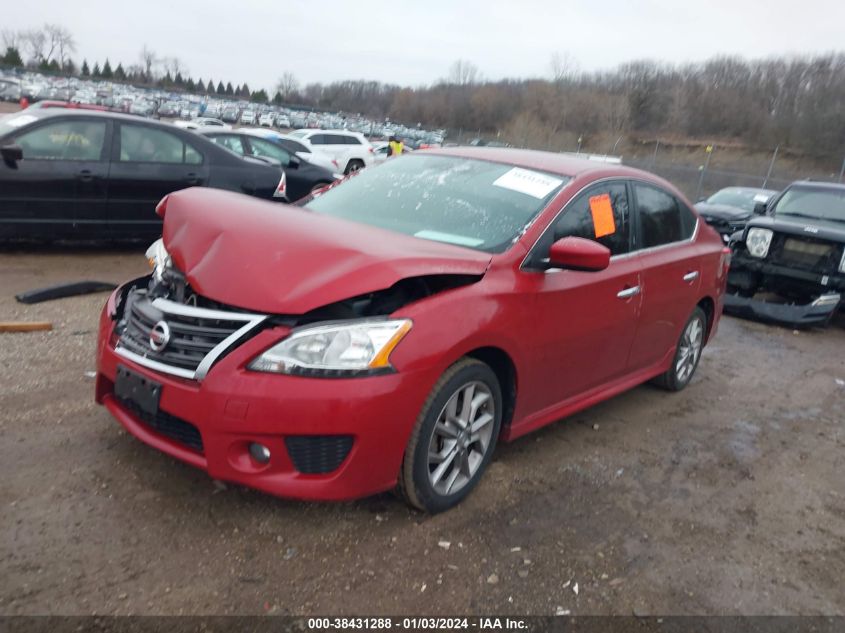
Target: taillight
<point>161,207</point>
<point>281,188</point>
<point>371,149</point>
<point>725,264</point>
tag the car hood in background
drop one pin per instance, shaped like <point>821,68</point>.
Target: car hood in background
<point>722,211</point>
<point>272,258</point>
<point>808,227</point>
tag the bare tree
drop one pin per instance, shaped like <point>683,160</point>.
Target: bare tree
<point>463,73</point>
<point>11,38</point>
<point>287,86</point>
<point>35,41</point>
<point>148,60</point>
<point>564,67</point>
<point>60,43</point>
<point>174,66</point>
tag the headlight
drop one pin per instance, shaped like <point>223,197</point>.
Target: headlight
<point>340,349</point>
<point>758,241</point>
<point>158,257</point>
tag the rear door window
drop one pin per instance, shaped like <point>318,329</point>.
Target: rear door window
<point>64,140</point>
<point>661,220</point>
<point>231,142</point>
<point>142,144</point>
<point>266,149</point>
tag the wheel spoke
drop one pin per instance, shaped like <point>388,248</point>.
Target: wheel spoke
<point>463,465</point>
<point>466,405</point>
<point>438,457</point>
<point>478,400</point>
<point>482,421</point>
<point>444,429</point>
<point>452,478</point>
<point>438,473</point>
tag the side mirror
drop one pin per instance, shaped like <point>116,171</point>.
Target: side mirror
<point>578,253</point>
<point>11,155</point>
<point>760,208</point>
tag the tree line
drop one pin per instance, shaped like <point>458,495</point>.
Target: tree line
<point>793,101</point>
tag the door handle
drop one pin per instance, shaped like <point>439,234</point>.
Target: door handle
<point>692,276</point>
<point>628,292</point>
<point>86,175</point>
<point>192,178</point>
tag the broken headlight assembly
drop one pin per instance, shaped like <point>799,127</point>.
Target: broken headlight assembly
<point>350,348</point>
<point>757,242</point>
<point>159,259</point>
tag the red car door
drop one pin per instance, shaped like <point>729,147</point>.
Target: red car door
<point>584,322</point>
<point>671,273</point>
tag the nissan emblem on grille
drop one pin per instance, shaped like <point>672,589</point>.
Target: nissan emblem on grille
<point>159,336</point>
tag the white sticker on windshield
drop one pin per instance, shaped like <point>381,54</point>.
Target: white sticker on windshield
<point>20,120</point>
<point>450,238</point>
<point>761,197</point>
<point>529,182</point>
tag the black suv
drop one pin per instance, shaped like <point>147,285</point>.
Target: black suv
<point>788,265</point>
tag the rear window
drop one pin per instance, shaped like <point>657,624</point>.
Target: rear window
<point>477,204</point>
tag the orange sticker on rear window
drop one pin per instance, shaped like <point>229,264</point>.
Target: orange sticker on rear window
<point>602,210</point>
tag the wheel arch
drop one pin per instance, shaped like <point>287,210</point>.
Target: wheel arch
<point>503,366</point>
<point>708,305</point>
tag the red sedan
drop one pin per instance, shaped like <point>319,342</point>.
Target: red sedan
<point>388,332</point>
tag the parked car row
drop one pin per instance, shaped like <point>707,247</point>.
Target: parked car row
<point>161,103</point>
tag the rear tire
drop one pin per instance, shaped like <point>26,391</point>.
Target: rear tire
<point>687,353</point>
<point>453,439</point>
<point>353,166</point>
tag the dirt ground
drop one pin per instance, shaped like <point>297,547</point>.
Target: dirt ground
<point>726,498</point>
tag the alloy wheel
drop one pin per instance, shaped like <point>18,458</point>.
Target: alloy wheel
<point>690,349</point>
<point>461,438</point>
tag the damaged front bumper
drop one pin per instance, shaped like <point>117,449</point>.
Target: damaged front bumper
<point>814,297</point>
<point>818,312</point>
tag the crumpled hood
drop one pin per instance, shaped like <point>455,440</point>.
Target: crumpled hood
<point>272,258</point>
<point>722,211</point>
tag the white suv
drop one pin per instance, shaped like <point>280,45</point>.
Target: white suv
<point>351,150</point>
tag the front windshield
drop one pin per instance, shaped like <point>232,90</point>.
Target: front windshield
<point>473,203</point>
<point>740,198</point>
<point>14,121</point>
<point>813,202</point>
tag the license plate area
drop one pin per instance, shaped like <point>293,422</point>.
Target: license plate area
<point>137,389</point>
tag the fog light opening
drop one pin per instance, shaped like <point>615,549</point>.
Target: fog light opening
<point>259,452</point>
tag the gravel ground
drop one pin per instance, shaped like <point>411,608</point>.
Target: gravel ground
<point>725,498</point>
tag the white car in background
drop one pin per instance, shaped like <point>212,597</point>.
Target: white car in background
<point>296,146</point>
<point>203,122</point>
<point>351,150</point>
<point>282,121</point>
<point>247,117</point>
<point>267,119</point>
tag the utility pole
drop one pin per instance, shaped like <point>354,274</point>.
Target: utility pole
<point>709,151</point>
<point>654,158</point>
<point>772,165</point>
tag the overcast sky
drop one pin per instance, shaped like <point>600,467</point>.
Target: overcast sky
<point>414,43</point>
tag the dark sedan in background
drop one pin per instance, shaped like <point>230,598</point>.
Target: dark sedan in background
<point>82,174</point>
<point>729,210</point>
<point>303,177</point>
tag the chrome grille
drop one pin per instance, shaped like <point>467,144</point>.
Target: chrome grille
<point>197,337</point>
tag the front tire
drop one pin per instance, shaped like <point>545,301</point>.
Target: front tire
<point>453,439</point>
<point>687,353</point>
